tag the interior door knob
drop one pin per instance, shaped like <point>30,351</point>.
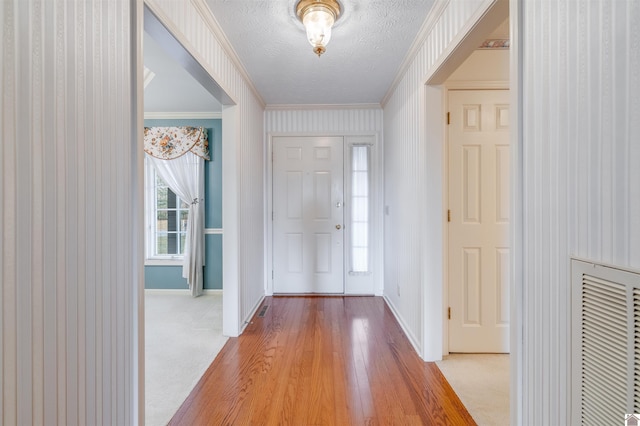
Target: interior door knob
<point>338,226</point>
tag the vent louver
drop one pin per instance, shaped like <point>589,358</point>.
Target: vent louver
<point>606,343</point>
<point>604,360</point>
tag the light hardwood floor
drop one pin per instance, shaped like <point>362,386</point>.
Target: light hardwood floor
<point>322,361</point>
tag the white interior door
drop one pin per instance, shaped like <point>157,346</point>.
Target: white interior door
<point>308,227</point>
<point>479,221</point>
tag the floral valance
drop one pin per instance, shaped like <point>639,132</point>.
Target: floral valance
<point>167,143</point>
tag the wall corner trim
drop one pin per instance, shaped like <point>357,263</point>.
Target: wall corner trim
<point>317,107</point>
<point>434,15</point>
<point>210,20</point>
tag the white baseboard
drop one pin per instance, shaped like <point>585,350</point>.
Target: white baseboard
<point>247,320</point>
<point>410,336</point>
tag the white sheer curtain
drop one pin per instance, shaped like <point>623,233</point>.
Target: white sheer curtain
<point>178,154</point>
<point>185,177</point>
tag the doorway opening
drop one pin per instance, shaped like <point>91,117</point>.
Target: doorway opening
<point>183,334</point>
<point>324,207</point>
<point>470,70</point>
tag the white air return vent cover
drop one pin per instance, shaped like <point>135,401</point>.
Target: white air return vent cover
<point>606,343</point>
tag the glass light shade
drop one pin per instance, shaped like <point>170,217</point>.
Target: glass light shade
<point>318,21</point>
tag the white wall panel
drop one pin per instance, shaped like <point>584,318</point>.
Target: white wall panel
<point>581,125</point>
<point>252,204</point>
<point>335,120</point>
<point>193,24</point>
<point>413,184</point>
<point>69,265</point>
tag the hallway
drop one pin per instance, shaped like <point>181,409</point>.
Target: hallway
<point>322,361</point>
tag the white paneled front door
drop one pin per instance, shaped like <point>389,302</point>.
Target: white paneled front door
<point>479,221</point>
<point>308,236</point>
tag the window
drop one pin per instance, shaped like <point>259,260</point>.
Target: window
<point>166,217</point>
<point>360,203</point>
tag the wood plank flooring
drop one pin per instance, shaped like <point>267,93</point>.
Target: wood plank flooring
<point>322,361</point>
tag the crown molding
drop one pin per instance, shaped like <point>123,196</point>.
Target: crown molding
<point>182,115</point>
<point>210,20</point>
<point>318,107</point>
<point>439,6</point>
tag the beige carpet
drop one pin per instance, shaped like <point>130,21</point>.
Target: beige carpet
<point>183,335</point>
<point>481,381</point>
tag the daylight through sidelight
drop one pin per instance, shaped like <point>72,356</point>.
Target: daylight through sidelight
<point>360,206</point>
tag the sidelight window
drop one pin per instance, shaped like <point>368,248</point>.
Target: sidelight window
<point>360,208</point>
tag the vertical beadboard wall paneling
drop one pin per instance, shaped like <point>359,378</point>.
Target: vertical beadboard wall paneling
<point>630,84</point>
<point>403,266</point>
<point>137,373</point>
<point>67,235</point>
<point>5,94</point>
<point>413,267</point>
<point>580,120</point>
<point>252,206</point>
<point>193,25</point>
<point>9,189</point>
<point>318,120</point>
<point>622,177</point>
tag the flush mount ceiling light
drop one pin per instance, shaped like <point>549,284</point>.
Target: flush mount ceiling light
<point>318,16</point>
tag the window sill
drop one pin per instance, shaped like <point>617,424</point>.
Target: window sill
<point>163,262</point>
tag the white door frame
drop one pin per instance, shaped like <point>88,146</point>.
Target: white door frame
<point>377,170</point>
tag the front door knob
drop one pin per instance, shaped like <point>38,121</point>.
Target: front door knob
<point>338,226</point>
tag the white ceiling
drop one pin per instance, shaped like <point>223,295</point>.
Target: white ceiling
<point>368,44</point>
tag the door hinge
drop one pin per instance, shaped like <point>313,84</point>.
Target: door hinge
<point>448,118</point>
<point>272,274</point>
<point>273,215</point>
<point>449,313</point>
<point>448,215</point>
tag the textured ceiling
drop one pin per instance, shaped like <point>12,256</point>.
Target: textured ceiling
<point>368,44</point>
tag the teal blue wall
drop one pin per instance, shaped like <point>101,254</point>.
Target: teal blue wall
<point>170,277</point>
